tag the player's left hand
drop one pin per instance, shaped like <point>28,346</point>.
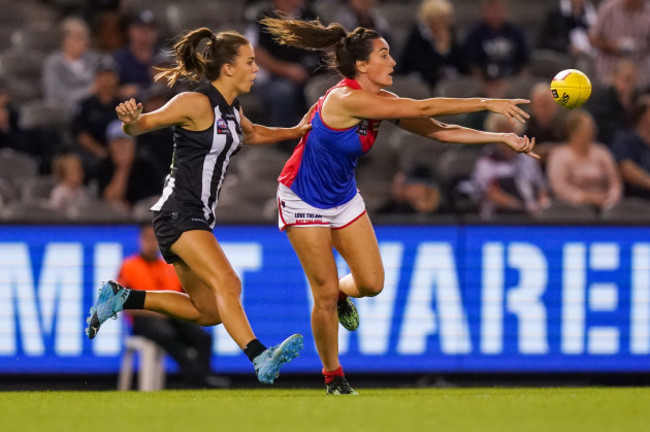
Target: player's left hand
<point>521,144</point>
<point>509,108</point>
<point>305,126</point>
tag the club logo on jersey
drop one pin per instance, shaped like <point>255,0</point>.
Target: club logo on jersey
<point>222,127</point>
<point>362,129</point>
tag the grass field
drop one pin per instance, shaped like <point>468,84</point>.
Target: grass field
<point>448,410</point>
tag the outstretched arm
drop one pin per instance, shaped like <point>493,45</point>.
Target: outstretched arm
<point>255,134</point>
<point>439,131</point>
<point>386,105</point>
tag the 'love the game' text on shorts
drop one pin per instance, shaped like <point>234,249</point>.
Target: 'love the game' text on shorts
<point>293,211</point>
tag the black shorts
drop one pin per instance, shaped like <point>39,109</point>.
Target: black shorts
<point>168,227</point>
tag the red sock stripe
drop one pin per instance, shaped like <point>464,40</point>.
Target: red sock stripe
<point>329,376</point>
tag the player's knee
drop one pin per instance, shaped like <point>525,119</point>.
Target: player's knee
<point>372,288</point>
<point>226,285</point>
<point>209,317</point>
<point>326,301</point>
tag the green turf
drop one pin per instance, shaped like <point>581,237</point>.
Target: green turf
<point>449,410</point>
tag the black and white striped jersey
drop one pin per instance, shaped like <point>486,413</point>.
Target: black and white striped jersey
<point>201,159</point>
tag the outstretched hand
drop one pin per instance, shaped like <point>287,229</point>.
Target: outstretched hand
<point>509,108</point>
<point>521,144</point>
<point>129,111</point>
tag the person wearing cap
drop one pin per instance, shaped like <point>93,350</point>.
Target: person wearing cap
<point>126,177</point>
<point>140,55</point>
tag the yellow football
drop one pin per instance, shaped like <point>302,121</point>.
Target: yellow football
<point>571,88</point>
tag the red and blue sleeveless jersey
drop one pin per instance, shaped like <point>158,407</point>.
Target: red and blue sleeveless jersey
<point>321,168</point>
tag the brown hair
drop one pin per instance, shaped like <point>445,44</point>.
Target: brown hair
<point>60,164</point>
<point>344,49</point>
<point>221,48</point>
<point>573,119</point>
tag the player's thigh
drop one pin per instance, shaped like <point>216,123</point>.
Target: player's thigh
<point>201,252</point>
<point>313,246</point>
<point>203,297</point>
<point>357,244</point>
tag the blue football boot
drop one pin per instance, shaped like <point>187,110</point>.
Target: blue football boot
<point>110,301</point>
<point>268,364</point>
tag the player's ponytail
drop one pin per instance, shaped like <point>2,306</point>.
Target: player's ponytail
<point>344,49</point>
<point>191,64</point>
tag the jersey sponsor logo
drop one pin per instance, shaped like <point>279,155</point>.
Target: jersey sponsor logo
<point>222,127</point>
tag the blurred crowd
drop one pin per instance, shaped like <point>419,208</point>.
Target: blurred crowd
<point>66,64</point>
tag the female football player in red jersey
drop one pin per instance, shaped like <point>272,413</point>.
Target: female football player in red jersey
<point>319,204</point>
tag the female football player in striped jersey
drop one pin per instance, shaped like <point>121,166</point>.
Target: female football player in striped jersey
<point>209,127</point>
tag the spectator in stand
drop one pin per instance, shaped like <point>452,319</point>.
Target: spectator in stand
<point>544,124</point>
<point>415,192</point>
<point>583,171</point>
<point>622,31</point>
<point>613,106</point>
<point>284,70</point>
<point>125,177</point>
<point>93,116</point>
<point>105,19</point>
<point>496,48</point>
<point>632,151</point>
<point>566,28</point>
<point>432,50</point>
<point>68,74</point>
<point>362,13</point>
<point>69,191</point>
<point>11,136</point>
<point>137,59</point>
<point>156,146</point>
<point>504,181</point>
<point>186,342</point>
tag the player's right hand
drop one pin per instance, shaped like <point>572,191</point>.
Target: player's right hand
<point>509,108</point>
<point>128,112</point>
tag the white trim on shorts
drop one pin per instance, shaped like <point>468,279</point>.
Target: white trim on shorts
<point>293,211</point>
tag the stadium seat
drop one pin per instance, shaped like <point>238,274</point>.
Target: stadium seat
<point>33,39</point>
<point>418,150</point>
<point>318,85</point>
<point>410,86</point>
<point>459,87</point>
<point>99,212</point>
<point>24,65</point>
<point>39,114</point>
<point>16,167</point>
<point>8,191</point>
<point>36,189</point>
<point>31,212</point>
<point>260,163</point>
<point>559,211</point>
<point>547,63</point>
<point>151,373</point>
<point>189,15</point>
<point>629,210</point>
<point>141,212</point>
